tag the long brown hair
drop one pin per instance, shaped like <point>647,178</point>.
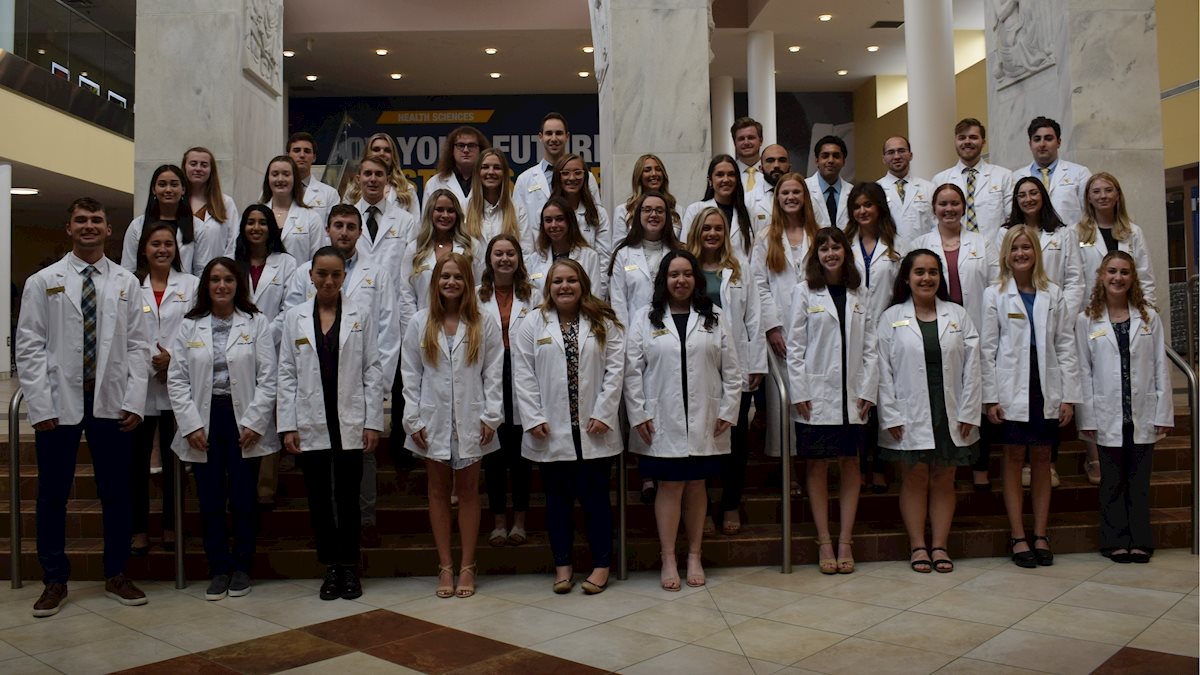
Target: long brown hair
<point>487,283</point>
<point>424,238</point>
<point>1122,226</point>
<point>637,189</point>
<point>214,199</point>
<point>886,226</point>
<point>468,311</point>
<point>591,214</point>
<point>297,186</point>
<point>473,224</point>
<point>596,310</point>
<point>1099,300</point>
<point>777,228</point>
<point>574,236</point>
<point>637,230</point>
<point>695,244</point>
<point>814,273</point>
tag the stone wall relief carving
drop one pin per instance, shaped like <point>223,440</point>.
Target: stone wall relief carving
<point>1023,33</point>
<point>262,44</point>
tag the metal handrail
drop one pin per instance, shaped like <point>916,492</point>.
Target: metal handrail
<point>622,489</point>
<point>1190,311</point>
<point>14,487</point>
<point>785,458</point>
<point>1194,432</point>
<point>180,577</point>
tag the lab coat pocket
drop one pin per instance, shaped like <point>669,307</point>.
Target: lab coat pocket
<point>469,428</point>
<point>820,395</point>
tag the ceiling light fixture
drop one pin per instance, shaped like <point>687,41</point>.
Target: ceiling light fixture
<point>584,73</point>
<point>396,76</point>
<point>824,17</point>
<point>794,48</point>
<point>288,53</point>
<point>311,78</point>
<point>41,51</point>
<point>381,52</point>
<point>490,51</point>
<point>23,192</point>
<point>494,76</point>
<point>589,49</point>
<point>873,48</point>
<point>843,72</point>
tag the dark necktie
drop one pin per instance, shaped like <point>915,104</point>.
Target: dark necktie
<point>87,302</point>
<point>372,223</point>
<point>900,189</point>
<point>831,204</point>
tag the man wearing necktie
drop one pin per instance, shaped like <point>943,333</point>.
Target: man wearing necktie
<point>747,145</point>
<point>830,192</point>
<point>83,359</point>
<point>910,199</point>
<point>987,187</point>
<point>1065,181</point>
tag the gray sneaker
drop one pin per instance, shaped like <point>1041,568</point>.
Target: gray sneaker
<point>239,584</point>
<point>218,588</point>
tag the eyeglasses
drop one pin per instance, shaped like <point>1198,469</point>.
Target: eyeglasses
<point>466,146</point>
<point>651,211</point>
<point>572,173</point>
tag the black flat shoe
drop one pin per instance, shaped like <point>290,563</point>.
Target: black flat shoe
<point>351,586</point>
<point>331,588</point>
<point>1123,558</point>
<point>1025,559</point>
<point>1139,557</point>
<point>921,566</point>
<point>1044,556</point>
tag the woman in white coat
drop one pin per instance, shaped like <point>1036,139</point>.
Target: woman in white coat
<point>330,412</point>
<point>1120,333</point>
<point>833,382</point>
<point>929,400</point>
<point>877,254</point>
<point>730,286</point>
<point>559,237</point>
<point>682,389</point>
<point>1059,244</point>
<point>167,294</point>
<point>399,190</point>
<point>300,227</point>
<point>780,254</point>
<point>971,266</point>
<point>1030,381</point>
<point>208,203</point>
<point>222,387</point>
<point>568,371</point>
<point>649,175</point>
<point>505,294</point>
<point>725,191</point>
<point>198,242</point>
<point>491,210</point>
<point>635,261</point>
<point>452,365</point>
<point>570,182</point>
<point>441,234</point>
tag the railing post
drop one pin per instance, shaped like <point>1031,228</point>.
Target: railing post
<point>180,577</point>
<point>775,372</point>
<point>14,487</point>
<point>622,535</point>
<point>1194,433</point>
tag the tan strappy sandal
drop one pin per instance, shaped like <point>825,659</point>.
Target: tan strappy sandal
<point>826,565</point>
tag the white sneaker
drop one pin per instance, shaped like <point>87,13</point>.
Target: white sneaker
<point>1025,476</point>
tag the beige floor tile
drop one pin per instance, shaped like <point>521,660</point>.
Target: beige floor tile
<point>931,633</point>
<point>804,579</point>
<point>391,591</point>
<point>1043,652</point>
<point>302,611</point>
<point>982,563</point>
<point>8,651</point>
<point>792,670</point>
<point>83,629</point>
<point>973,667</point>
<point>202,634</point>
<point>166,610</point>
<point>765,667</point>
<point>20,612</point>
<point>1143,602</point>
<point>686,623</point>
<point>27,665</point>
<point>854,656</point>
<point>1148,576</point>
<point>739,598</point>
<point>525,625</point>
<point>831,615</point>
<point>882,592</point>
<point>989,608</point>
<point>900,571</point>
<point>607,646</point>
<point>1084,624</point>
<point>1186,610</point>
<point>693,660</point>
<point>1070,566</point>
<point>94,599</point>
<point>648,583</point>
<point>1014,584</point>
<point>780,642</point>
<point>1176,559</point>
<point>609,605</point>
<point>1170,636</point>
<point>355,662</point>
<point>452,611</point>
<point>267,590</point>
<point>110,655</point>
<point>729,573</point>
<point>524,589</point>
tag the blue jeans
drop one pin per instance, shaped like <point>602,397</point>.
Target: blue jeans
<point>227,477</point>
<point>586,480</point>
<point>57,450</point>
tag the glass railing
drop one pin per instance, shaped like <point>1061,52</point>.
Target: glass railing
<point>56,37</point>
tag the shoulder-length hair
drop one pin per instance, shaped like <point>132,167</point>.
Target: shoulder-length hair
<point>636,190</point>
<point>695,242</point>
<point>886,225</point>
<point>739,197</point>
<point>297,187</point>
<point>776,229</point>
<point>241,294</point>
<point>424,238</point>
<point>473,225</point>
<point>487,283</point>
<point>591,214</point>
<point>962,196</point>
<point>186,226</point>
<point>241,248</point>
<point>575,236</point>
<point>1040,280</point>
<point>1122,225</point>
<point>1047,216</point>
<point>468,311</point>
<point>660,303</point>
<point>596,310</point>
<point>143,262</point>
<point>900,290</point>
<point>445,163</point>
<point>814,273</point>
<point>403,187</point>
<point>1099,300</point>
<point>637,229</point>
<point>214,199</point>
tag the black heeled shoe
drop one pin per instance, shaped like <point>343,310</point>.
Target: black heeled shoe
<point>1043,556</point>
<point>1025,559</point>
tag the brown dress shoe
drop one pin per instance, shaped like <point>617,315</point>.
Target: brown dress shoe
<point>54,596</point>
<point>121,589</point>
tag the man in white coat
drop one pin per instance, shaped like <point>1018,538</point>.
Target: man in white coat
<point>910,199</point>
<point>1065,181</point>
<point>775,163</point>
<point>747,137</point>
<point>83,359</point>
<point>532,188</point>
<point>387,226</point>
<point>302,148</point>
<point>988,188</point>
<point>830,193</point>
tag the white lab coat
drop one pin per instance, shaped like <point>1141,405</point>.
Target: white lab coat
<point>737,242</point>
<point>540,379</point>
<point>817,195</point>
<point>620,224</point>
<point>654,376</point>
<point>1061,261</point>
<point>517,315</point>
<point>397,227</point>
<point>412,288</point>
<point>1068,188</point>
<point>228,230</point>
<point>360,388</point>
<point>978,266</point>
<point>303,232</point>
<point>538,265</point>
<point>320,198</point>
<point>49,343</point>
<point>903,388</point>
<point>1151,395</point>
<point>448,182</point>
<point>914,215</point>
<point>493,224</point>
<point>600,236</point>
<point>270,295</point>
<point>532,190</point>
<point>164,321</point>
<point>1092,254</point>
<point>250,353</point>
<point>209,243</point>
<point>631,286</point>
<point>993,193</point>
<point>814,356</point>
<point>741,304</point>
<point>882,279</point>
<point>1004,351</point>
<point>450,400</point>
<point>776,287</point>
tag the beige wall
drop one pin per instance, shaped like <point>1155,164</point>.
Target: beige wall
<point>1179,64</point>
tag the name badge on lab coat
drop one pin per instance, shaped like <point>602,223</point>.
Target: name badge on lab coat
<point>631,268</point>
<point>301,341</point>
<point>1016,315</point>
<point>900,323</point>
<point>55,290</point>
<point>660,332</point>
<point>544,341</point>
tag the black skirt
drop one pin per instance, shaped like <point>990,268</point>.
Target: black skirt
<point>829,441</point>
<point>679,468</point>
<point>1038,430</point>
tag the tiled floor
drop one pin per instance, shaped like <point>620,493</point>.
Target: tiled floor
<point>1082,615</point>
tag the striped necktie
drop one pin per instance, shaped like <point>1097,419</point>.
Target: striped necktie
<point>1045,171</point>
<point>900,188</point>
<point>750,178</point>
<point>87,303</point>
<point>970,220</point>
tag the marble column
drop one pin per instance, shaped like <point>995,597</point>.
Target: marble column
<point>1093,67</point>
<point>210,74</point>
<point>651,64</point>
<point>760,81</point>
<point>929,54</point>
<point>6,267</point>
<point>722,114</point>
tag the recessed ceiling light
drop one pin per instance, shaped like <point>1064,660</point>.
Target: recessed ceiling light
<point>311,78</point>
<point>494,76</point>
<point>396,76</point>
<point>41,51</point>
<point>589,49</point>
<point>825,17</point>
<point>381,52</point>
<point>584,73</point>
<point>23,192</point>
<point>794,48</point>
<point>83,73</point>
<point>843,72</point>
<point>289,53</point>
<point>873,48</point>
<point>490,51</point>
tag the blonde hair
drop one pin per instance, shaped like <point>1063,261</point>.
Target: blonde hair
<point>403,188</point>
<point>1122,226</point>
<point>468,311</point>
<point>635,194</point>
<point>424,239</point>
<point>776,256</point>
<point>473,224</point>
<point>214,199</point>
<point>1040,280</point>
<point>596,310</point>
<point>695,246</point>
<point>1099,299</point>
